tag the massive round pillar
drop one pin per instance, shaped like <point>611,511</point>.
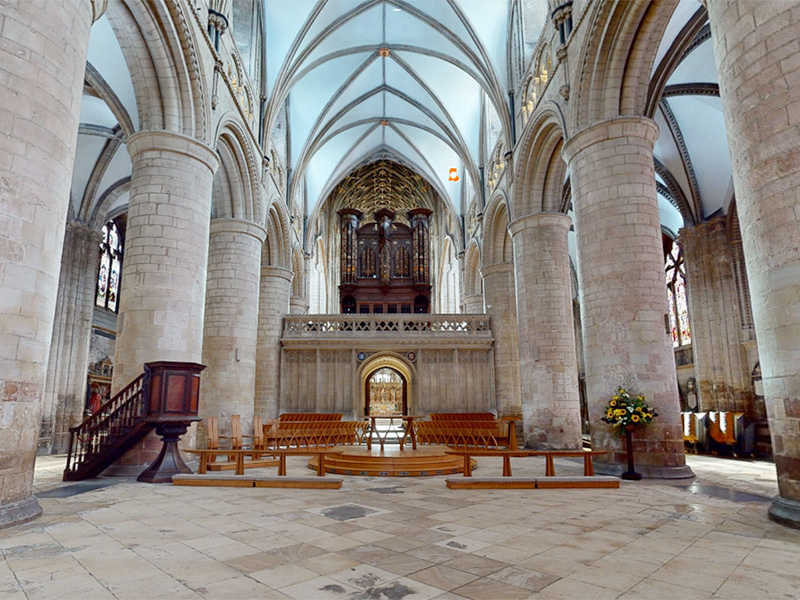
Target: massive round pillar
<point>231,321</point>
<point>498,283</point>
<point>162,298</point>
<point>164,281</point>
<point>473,304</point>
<point>276,285</point>
<point>548,365</point>
<point>42,63</point>
<point>623,294</point>
<point>755,46</point>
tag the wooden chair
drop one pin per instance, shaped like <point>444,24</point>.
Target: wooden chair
<point>270,429</point>
<point>239,452</point>
<point>235,438</point>
<point>212,436</point>
<point>212,433</point>
<point>258,444</point>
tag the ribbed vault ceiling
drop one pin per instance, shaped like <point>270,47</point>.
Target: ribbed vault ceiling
<point>693,166</point>
<point>383,184</point>
<point>420,104</point>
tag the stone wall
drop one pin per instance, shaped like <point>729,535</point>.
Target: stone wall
<point>444,380</point>
<point>449,360</point>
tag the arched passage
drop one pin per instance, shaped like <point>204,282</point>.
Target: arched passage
<point>386,361</point>
<point>385,393</point>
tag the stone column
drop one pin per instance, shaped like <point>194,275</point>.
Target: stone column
<point>65,386</point>
<point>42,63</point>
<point>473,304</point>
<point>755,45</point>
<point>623,295</point>
<point>273,304</point>
<point>231,321</point>
<point>548,364</point>
<point>720,359</point>
<point>498,281</point>
<point>162,296</point>
<point>298,305</point>
<point>162,299</point>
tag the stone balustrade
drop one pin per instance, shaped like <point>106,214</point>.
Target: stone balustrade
<point>401,324</point>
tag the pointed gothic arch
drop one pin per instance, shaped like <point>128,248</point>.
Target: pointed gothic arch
<point>161,55</point>
<point>540,168</point>
<point>496,239</point>
<point>617,59</point>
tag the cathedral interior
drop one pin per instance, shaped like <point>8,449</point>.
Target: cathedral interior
<point>402,208</point>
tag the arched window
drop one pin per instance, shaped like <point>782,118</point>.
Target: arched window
<point>110,270</point>
<point>676,295</point>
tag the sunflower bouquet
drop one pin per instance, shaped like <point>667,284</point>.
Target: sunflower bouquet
<point>628,408</point>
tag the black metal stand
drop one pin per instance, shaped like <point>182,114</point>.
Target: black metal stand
<point>631,473</point>
<point>169,461</point>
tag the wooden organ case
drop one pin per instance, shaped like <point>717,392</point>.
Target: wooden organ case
<point>385,265</point>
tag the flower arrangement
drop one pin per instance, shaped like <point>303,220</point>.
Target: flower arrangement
<point>628,408</point>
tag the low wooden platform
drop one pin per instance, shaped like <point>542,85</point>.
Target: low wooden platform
<point>530,483</point>
<point>391,462</point>
<point>226,480</point>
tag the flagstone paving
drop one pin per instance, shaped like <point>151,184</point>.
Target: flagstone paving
<point>406,539</point>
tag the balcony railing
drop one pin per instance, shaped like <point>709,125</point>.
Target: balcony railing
<point>400,324</point>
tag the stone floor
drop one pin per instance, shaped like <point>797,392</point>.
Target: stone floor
<point>406,539</point>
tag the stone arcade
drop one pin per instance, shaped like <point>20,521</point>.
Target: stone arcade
<point>265,188</point>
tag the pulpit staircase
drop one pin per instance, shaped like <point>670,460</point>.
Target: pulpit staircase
<point>110,432</point>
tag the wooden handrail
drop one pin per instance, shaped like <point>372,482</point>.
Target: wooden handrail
<point>103,429</point>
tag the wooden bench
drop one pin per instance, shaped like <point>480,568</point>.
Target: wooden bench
<point>320,453</point>
<point>550,470</point>
<point>313,434</point>
<point>237,464</point>
<point>467,430</point>
<point>309,417</point>
<point>240,465</point>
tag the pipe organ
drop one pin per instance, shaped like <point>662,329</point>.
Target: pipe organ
<point>385,264</point>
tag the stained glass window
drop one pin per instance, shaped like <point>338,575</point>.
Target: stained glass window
<point>108,277</point>
<point>675,273</point>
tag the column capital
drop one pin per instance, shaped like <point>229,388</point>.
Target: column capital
<point>280,272</point>
<point>298,305</point>
<point>238,226</point>
<point>98,8</point>
<point>689,234</point>
<point>170,141</point>
<point>543,219</point>
<point>501,267</point>
<point>85,230</point>
<point>610,129</point>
